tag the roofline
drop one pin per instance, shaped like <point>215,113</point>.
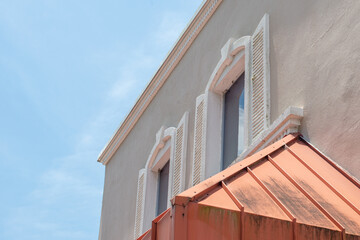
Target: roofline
<point>200,189</point>
<point>190,33</point>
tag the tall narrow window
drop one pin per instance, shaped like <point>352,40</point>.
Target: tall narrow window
<point>163,189</point>
<point>233,129</point>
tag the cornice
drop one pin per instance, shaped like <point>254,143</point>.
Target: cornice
<point>189,35</point>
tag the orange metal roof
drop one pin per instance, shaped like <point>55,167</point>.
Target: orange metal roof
<point>289,190</point>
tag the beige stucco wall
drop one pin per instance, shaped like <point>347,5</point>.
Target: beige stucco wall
<point>314,61</point>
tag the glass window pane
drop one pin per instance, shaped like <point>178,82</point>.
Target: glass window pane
<point>241,126</point>
<point>163,188</point>
<point>233,128</point>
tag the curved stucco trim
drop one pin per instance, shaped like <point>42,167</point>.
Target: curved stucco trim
<point>163,138</point>
<point>189,35</point>
<point>230,66</point>
<point>234,61</point>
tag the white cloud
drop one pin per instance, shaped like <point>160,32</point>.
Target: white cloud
<point>118,100</point>
<point>170,28</point>
<point>131,75</point>
<point>62,182</point>
<point>64,191</point>
<point>122,89</point>
<point>31,223</point>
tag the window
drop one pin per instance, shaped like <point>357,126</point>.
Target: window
<point>163,176</point>
<point>229,119</point>
<point>233,123</point>
<point>163,187</point>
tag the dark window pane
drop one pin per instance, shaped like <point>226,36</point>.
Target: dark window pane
<point>163,189</point>
<point>233,139</point>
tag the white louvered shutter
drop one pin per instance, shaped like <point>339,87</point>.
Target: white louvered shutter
<point>260,79</point>
<point>198,168</point>
<point>180,156</point>
<point>140,201</point>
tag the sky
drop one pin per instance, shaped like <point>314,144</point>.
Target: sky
<point>70,71</point>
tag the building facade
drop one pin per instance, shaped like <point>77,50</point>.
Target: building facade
<point>243,75</point>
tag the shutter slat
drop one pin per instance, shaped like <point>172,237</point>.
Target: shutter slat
<point>180,157</point>
<point>198,168</point>
<point>258,93</point>
<point>260,79</point>
<point>177,160</point>
<point>139,204</point>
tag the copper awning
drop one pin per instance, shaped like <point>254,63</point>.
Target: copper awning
<point>289,190</point>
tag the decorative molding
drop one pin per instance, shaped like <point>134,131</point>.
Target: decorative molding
<point>230,66</point>
<point>160,154</point>
<point>234,61</point>
<point>161,142</point>
<point>189,35</point>
<point>288,122</point>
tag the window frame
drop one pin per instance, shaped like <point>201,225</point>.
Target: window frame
<point>235,61</point>
<point>170,146</point>
<point>232,98</point>
<point>161,153</point>
<point>158,194</point>
<point>248,55</point>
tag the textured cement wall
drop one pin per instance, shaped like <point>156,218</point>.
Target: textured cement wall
<point>314,62</point>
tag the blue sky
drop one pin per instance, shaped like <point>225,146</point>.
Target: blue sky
<point>70,71</point>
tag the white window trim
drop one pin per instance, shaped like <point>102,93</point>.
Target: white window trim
<point>235,60</point>
<point>162,152</point>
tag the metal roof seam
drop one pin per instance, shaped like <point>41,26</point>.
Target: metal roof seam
<point>277,201</point>
<point>332,163</point>
<point>323,180</point>
<point>306,194</point>
<point>232,196</point>
<point>230,172</point>
<point>202,193</point>
<point>272,195</point>
<point>239,205</point>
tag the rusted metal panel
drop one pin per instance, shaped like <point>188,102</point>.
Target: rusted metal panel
<point>259,227</point>
<point>163,226</point>
<point>146,235</point>
<point>203,187</point>
<point>219,198</point>
<point>297,203</point>
<point>253,197</point>
<point>339,211</point>
<point>212,223</point>
<point>287,191</point>
<point>344,184</point>
<point>179,216</point>
<point>311,232</point>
